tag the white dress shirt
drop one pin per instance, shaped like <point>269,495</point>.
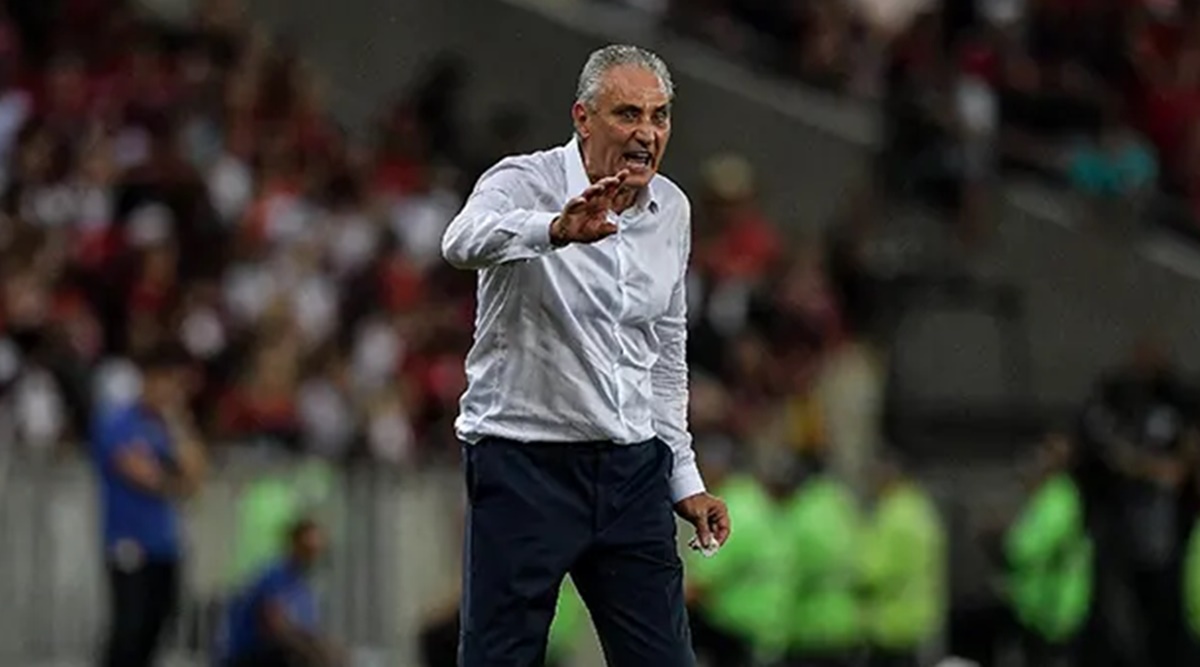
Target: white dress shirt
<point>581,343</point>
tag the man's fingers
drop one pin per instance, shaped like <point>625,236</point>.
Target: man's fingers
<point>592,194</point>
<point>600,188</point>
<point>704,533</point>
<point>576,205</point>
<point>597,228</point>
<point>611,182</point>
<point>582,227</point>
<point>603,187</point>
<point>722,526</point>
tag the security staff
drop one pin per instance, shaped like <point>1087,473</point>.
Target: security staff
<point>822,526</point>
<point>903,575</point>
<point>738,609</point>
<point>1050,556</point>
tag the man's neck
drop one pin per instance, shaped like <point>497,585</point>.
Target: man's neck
<point>625,198</point>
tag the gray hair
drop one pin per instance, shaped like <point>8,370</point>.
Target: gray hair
<point>616,55</point>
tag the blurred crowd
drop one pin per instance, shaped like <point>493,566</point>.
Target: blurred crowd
<point>160,183</point>
<point>190,184</point>
<point>1099,94</point>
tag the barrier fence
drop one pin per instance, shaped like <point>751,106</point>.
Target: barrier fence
<point>393,554</point>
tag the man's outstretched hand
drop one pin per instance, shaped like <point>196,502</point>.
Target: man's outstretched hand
<point>709,515</point>
<point>585,218</point>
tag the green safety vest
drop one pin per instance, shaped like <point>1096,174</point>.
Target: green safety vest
<point>745,583</point>
<point>265,511</point>
<point>570,618</point>
<point>1051,558</point>
<point>1191,581</point>
<point>903,571</point>
<point>823,522</point>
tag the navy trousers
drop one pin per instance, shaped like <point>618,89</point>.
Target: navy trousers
<point>598,511</point>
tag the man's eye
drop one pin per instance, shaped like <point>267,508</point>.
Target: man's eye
<point>630,114</point>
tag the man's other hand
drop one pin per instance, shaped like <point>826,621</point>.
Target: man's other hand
<point>709,515</point>
<point>585,218</point>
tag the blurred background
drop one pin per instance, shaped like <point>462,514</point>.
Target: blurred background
<point>941,246</point>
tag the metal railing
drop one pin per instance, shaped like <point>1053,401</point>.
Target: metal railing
<point>393,554</point>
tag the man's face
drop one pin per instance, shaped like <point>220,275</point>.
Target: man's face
<point>310,547</point>
<point>626,127</point>
<point>165,388</point>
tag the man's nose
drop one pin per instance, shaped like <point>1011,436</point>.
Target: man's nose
<point>644,135</point>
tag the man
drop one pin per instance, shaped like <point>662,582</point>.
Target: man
<point>273,623</point>
<point>1191,593</point>
<point>148,457</point>
<point>1138,436</point>
<point>1049,555</point>
<point>575,414</point>
<point>903,568</point>
<point>738,602</point>
<point>822,526</point>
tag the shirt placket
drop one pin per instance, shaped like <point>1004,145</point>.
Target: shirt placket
<point>619,363</point>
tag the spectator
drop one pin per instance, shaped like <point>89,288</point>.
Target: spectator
<point>851,277</point>
<point>1116,164</point>
<point>191,189</point>
<point>1137,431</point>
<point>274,622</point>
<point>325,409</point>
<point>740,244</point>
<point>148,455</point>
<point>262,405</point>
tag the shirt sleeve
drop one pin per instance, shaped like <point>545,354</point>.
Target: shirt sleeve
<point>114,434</point>
<point>499,223</point>
<point>669,378</point>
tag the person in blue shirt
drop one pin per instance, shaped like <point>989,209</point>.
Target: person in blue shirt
<point>148,457</point>
<point>274,622</point>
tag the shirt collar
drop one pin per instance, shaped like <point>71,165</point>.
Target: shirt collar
<point>578,181</point>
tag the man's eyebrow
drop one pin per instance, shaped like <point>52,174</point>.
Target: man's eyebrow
<point>627,106</point>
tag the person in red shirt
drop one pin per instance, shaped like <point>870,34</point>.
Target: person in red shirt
<point>744,245</point>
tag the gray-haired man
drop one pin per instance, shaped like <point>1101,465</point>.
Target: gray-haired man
<point>575,414</point>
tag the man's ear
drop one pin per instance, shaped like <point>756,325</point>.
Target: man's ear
<point>579,114</point>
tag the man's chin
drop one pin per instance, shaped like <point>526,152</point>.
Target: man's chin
<point>639,177</point>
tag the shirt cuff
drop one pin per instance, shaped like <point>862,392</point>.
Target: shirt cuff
<point>686,482</point>
<point>535,233</point>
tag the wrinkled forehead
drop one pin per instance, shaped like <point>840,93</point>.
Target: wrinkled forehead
<point>632,85</point>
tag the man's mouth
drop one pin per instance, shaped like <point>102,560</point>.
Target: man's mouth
<point>638,159</point>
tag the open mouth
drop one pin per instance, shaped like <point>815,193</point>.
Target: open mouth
<point>638,159</point>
